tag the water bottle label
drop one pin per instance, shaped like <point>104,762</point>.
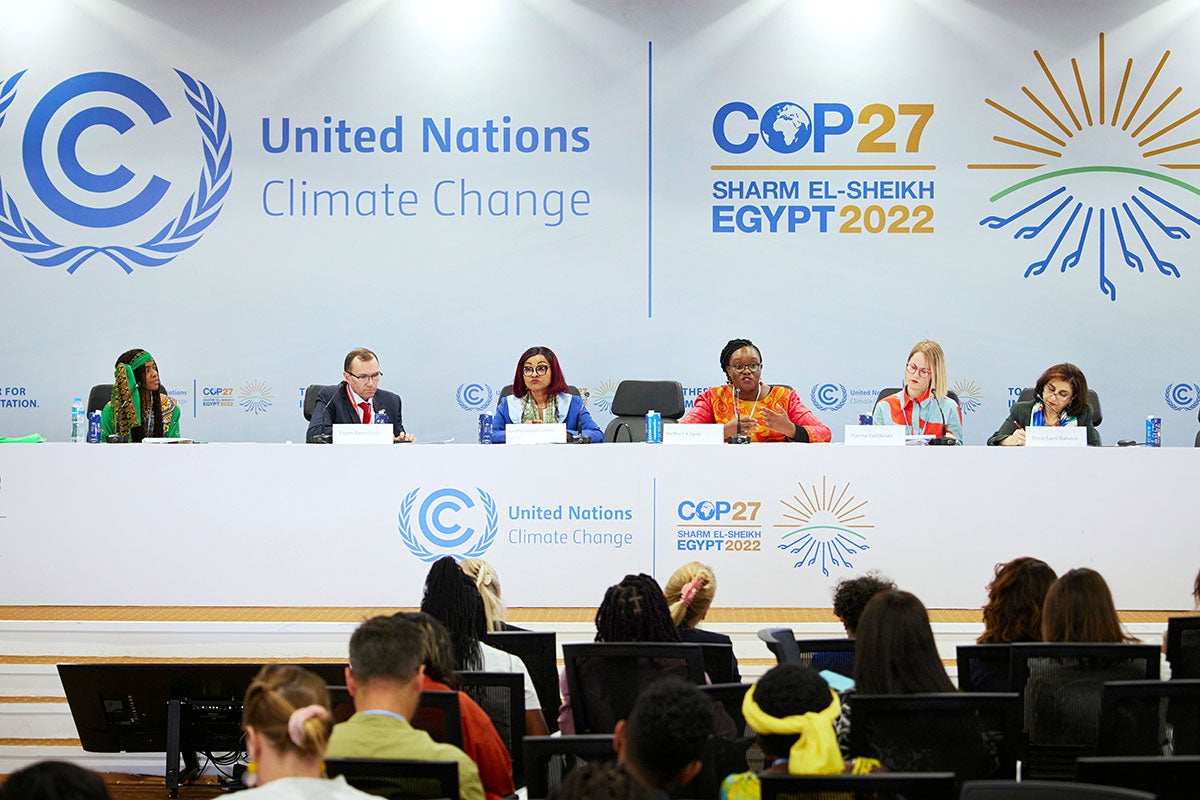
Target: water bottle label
<point>94,427</point>
<point>381,418</point>
<point>485,428</point>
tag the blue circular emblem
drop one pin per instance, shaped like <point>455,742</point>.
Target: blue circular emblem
<point>829,396</point>
<point>786,127</point>
<point>442,523</point>
<point>474,396</point>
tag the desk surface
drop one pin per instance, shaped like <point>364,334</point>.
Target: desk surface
<point>296,525</point>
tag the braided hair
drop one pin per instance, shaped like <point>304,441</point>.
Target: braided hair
<point>452,599</point>
<point>731,347</point>
<point>635,610</point>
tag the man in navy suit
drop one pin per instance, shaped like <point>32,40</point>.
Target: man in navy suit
<point>357,399</point>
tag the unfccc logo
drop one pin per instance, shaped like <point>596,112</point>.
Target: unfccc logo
<point>444,520</point>
<point>829,396</point>
<point>1183,396</point>
<point>66,124</point>
<point>474,396</point>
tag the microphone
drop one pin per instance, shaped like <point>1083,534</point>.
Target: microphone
<point>739,437</point>
<point>943,439</point>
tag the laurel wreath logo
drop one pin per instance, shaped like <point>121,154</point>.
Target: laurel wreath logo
<point>418,549</point>
<point>200,211</point>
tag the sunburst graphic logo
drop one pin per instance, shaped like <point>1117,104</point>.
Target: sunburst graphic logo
<point>824,526</point>
<point>255,397</point>
<point>1101,187</point>
<point>602,395</point>
<point>970,395</point>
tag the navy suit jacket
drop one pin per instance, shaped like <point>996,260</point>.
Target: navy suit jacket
<point>333,407</point>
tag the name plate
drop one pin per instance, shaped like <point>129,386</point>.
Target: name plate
<point>536,433</point>
<point>1066,436</point>
<point>694,434</point>
<point>362,434</point>
<point>875,435</point>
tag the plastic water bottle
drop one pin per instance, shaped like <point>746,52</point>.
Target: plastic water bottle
<point>485,428</point>
<point>78,421</point>
<point>653,427</point>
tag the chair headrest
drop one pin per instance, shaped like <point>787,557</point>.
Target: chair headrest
<point>635,398</point>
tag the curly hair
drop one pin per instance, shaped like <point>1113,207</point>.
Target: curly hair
<point>452,599</point>
<point>600,780</point>
<point>635,610</point>
<point>1014,608</point>
<point>851,596</point>
<point>667,729</point>
<point>276,692</point>
<point>1079,608</point>
<point>894,651</point>
<point>689,614</point>
<point>788,690</point>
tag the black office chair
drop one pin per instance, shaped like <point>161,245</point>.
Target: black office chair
<point>99,396</point>
<point>1061,685</point>
<point>976,736</point>
<point>1045,790</point>
<point>733,745</point>
<point>398,779</point>
<point>539,652</point>
<point>1149,718</point>
<point>718,661</point>
<point>548,759</point>
<point>836,655</point>
<point>502,696</point>
<point>1183,646</point>
<point>877,786</point>
<point>782,644</point>
<point>1170,778</point>
<point>983,667</point>
<point>439,715</point>
<point>1030,393</point>
<point>604,679</point>
<point>632,401</point>
<point>310,398</point>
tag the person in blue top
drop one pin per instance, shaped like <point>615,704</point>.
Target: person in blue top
<point>923,406</point>
<point>539,395</point>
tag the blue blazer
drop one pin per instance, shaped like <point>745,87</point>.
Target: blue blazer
<point>570,410</point>
<point>333,406</point>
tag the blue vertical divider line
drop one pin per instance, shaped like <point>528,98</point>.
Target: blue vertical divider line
<point>650,179</point>
<point>654,526</point>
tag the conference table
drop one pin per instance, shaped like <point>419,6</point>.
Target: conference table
<point>307,525</point>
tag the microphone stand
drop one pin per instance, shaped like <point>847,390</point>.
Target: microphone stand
<point>739,437</point>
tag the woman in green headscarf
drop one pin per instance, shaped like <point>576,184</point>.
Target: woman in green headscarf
<point>139,407</point>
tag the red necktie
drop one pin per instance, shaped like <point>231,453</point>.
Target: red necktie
<point>366,407</point>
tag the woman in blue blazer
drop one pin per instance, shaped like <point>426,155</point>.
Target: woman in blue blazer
<point>539,395</point>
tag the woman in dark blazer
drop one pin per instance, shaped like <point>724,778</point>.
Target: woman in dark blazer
<point>1061,398</point>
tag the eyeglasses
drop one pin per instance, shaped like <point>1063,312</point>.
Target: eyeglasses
<point>1063,394</point>
<point>372,378</point>
<point>753,366</point>
<point>913,369</point>
<point>540,369</point>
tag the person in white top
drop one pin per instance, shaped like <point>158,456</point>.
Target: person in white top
<point>452,599</point>
<point>287,722</point>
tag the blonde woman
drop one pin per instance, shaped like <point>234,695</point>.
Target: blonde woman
<point>923,406</point>
<point>287,722</point>
<point>488,584</point>
<point>690,592</point>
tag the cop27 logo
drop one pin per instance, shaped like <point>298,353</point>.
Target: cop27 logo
<point>444,522</point>
<point>1099,159</point>
<point>69,189</point>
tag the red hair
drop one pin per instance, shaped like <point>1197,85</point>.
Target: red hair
<point>558,384</point>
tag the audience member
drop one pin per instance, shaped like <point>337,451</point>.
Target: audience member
<point>792,710</point>
<point>634,610</point>
<point>1079,608</point>
<point>385,677</point>
<point>894,651</point>
<point>1014,608</point>
<point>488,583</point>
<point>452,599</point>
<point>287,722</point>
<point>481,741</point>
<point>53,780</point>
<point>662,742</point>
<point>690,592</point>
<point>603,780</point>
<point>851,596</point>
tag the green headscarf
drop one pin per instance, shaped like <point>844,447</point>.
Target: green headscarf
<point>126,398</point>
